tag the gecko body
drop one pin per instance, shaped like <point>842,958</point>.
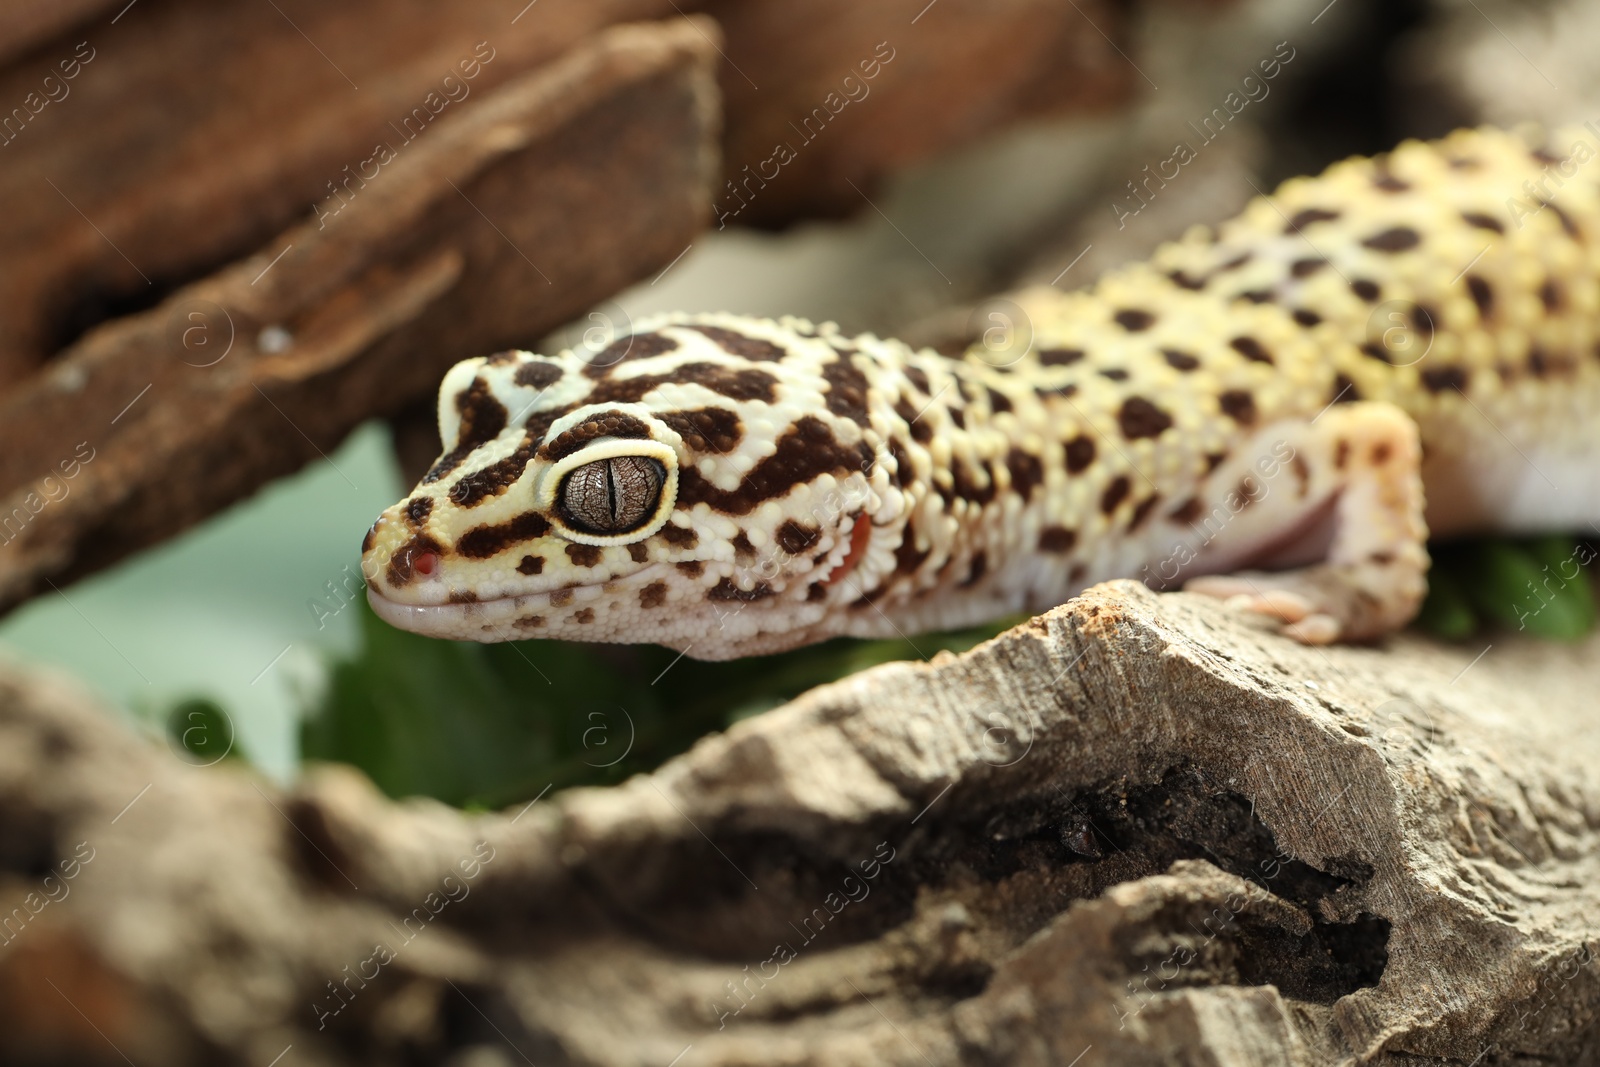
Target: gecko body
<point>1277,411</point>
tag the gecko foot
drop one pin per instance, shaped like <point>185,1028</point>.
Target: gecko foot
<point>1365,459</point>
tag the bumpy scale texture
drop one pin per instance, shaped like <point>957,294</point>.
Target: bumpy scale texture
<point>1254,413</point>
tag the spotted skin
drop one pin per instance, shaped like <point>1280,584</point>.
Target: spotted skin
<point>1253,413</point>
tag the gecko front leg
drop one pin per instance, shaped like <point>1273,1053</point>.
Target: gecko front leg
<point>1360,470</point>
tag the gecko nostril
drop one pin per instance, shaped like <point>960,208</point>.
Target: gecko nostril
<point>425,564</point>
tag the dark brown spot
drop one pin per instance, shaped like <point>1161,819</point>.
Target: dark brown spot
<point>1482,295</point>
<point>653,595</point>
<point>537,374</point>
<point>917,377</point>
<point>1180,360</point>
<point>693,568</point>
<point>904,472</point>
<point>402,565</point>
<point>706,429</point>
<point>998,401</point>
<point>1305,268</point>
<point>623,349</point>
<point>1550,295</point>
<point>487,482</point>
<point>795,538</point>
<point>584,555</point>
<point>980,567</point>
<point>1140,418</point>
<point>847,388</point>
<point>1134,320</point>
<point>1389,183</point>
<point>1366,289</point>
<point>502,357</point>
<point>1214,460</point>
<point>602,424</point>
<point>1344,391</point>
<point>725,590</point>
<point>806,451</point>
<point>816,591</point>
<point>680,536</point>
<point>419,509</point>
<point>958,417</point>
<point>1376,351</point>
<point>1341,454</point>
<point>1142,511</point>
<point>1183,281</point>
<point>1060,357</point>
<point>530,622</point>
<point>921,431</point>
<point>560,598</point>
<point>462,596</point>
<point>483,418</point>
<point>966,484</point>
<point>1257,296</point>
<point>1482,221</point>
<point>1057,539</point>
<point>1308,217</point>
<point>743,550</point>
<point>747,383</point>
<point>1394,239</point>
<point>738,344</point>
<point>907,556</point>
<point>1438,379</point>
<point>1186,512</point>
<point>1251,349</point>
<point>531,565</point>
<point>1306,317</point>
<point>583,616</point>
<point>1026,472</point>
<point>481,542</point>
<point>1115,493</point>
<point>1080,453</point>
<point>1423,319</point>
<point>1114,374</point>
<point>1381,453</point>
<point>1239,405</point>
<point>1235,263</point>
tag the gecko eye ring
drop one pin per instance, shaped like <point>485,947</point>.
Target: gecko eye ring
<point>614,492</point>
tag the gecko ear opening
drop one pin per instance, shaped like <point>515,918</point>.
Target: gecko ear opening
<point>613,492</point>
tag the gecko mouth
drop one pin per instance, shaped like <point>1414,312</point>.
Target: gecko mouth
<point>500,618</point>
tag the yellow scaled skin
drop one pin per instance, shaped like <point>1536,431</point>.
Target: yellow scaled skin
<point>1285,392</point>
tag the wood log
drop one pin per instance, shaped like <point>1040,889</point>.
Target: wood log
<point>226,124</point>
<point>491,229</point>
<point>1133,830</point>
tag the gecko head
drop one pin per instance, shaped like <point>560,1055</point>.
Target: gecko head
<point>686,493</point>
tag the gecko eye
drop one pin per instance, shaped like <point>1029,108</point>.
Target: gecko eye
<point>611,496</point>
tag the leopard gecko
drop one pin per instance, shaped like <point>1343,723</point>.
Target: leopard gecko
<point>1277,412</point>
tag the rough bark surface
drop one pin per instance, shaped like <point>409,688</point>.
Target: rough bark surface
<point>1134,830</point>
<point>558,190</point>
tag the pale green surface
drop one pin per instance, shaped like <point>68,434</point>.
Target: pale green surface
<point>205,613</point>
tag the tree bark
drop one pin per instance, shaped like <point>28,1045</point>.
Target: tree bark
<point>1133,830</point>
